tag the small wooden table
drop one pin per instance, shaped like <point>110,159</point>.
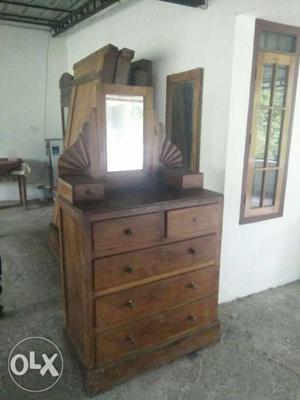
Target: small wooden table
<point>9,165</point>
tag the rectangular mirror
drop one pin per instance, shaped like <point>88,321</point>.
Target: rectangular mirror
<point>124,132</point>
<point>183,112</point>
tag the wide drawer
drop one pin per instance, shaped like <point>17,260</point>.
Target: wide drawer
<point>134,266</point>
<point>150,331</point>
<point>192,221</point>
<point>146,300</point>
<point>127,233</point>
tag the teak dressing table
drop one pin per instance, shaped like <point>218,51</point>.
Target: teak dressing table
<point>139,252</point>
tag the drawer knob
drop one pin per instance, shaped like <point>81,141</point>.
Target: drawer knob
<point>163,252</point>
<point>191,318</point>
<point>128,232</point>
<point>128,269</point>
<point>88,192</point>
<point>194,220</point>
<point>130,304</point>
<point>162,286</point>
<point>192,250</point>
<point>192,285</point>
<point>131,339</point>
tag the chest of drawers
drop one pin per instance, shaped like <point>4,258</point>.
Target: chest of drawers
<point>140,277</point>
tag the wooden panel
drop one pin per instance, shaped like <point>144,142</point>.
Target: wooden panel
<point>134,266</point>
<point>127,233</point>
<point>192,221</point>
<point>103,379</point>
<point>135,337</point>
<point>131,304</point>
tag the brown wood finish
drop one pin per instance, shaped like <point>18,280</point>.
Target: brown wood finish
<point>127,233</point>
<point>116,344</point>
<point>246,214</point>
<point>132,304</point>
<point>196,76</point>
<point>192,221</point>
<point>140,260</point>
<point>104,378</point>
<point>170,278</point>
<point>152,263</point>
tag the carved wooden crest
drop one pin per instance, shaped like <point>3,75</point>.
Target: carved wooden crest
<point>171,156</point>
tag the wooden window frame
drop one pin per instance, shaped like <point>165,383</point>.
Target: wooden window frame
<point>248,215</point>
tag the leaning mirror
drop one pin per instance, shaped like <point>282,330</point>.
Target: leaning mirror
<point>183,113</point>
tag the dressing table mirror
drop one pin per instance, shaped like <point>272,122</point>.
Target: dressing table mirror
<point>139,236</point>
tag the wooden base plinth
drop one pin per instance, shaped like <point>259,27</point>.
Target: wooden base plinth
<point>105,378</point>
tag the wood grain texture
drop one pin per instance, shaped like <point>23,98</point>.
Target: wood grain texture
<point>127,233</point>
<point>132,304</point>
<point>103,379</point>
<point>153,262</point>
<point>116,344</point>
<point>191,221</point>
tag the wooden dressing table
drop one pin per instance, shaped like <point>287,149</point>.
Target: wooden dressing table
<point>140,258</point>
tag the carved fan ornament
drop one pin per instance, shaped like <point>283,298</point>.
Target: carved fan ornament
<point>171,156</point>
<point>75,160</point>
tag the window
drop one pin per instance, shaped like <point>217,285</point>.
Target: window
<point>273,86</point>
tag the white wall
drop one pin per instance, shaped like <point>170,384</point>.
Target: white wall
<point>264,254</point>
<point>219,39</point>
<point>31,62</point>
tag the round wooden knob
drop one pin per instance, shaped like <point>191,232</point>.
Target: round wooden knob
<point>131,339</point>
<point>128,269</point>
<point>163,252</point>
<point>194,220</point>
<point>130,304</point>
<point>128,232</point>
<point>88,192</point>
<point>192,250</point>
<point>191,318</point>
<point>192,285</point>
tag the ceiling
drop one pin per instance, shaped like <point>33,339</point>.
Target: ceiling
<point>60,15</point>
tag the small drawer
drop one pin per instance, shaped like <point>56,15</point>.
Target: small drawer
<point>192,221</point>
<point>114,345</point>
<point>127,233</point>
<point>134,266</point>
<point>130,304</point>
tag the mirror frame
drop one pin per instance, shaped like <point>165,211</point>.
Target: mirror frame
<point>125,178</point>
<point>195,75</point>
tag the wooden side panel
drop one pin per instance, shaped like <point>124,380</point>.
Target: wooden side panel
<point>74,249</point>
<point>84,100</point>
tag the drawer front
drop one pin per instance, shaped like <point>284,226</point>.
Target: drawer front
<point>130,267</point>
<point>121,307</point>
<point>192,221</point>
<point>127,233</point>
<point>142,334</point>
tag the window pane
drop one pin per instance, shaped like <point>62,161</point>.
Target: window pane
<point>260,146</point>
<point>267,84</point>
<point>256,189</point>
<point>277,42</point>
<point>270,188</point>
<point>281,85</point>
<point>274,138</point>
